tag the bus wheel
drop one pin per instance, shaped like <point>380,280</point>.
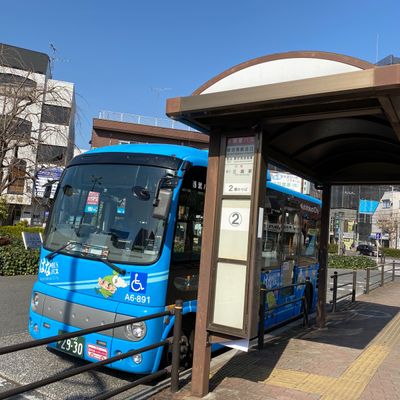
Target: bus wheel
<point>187,344</point>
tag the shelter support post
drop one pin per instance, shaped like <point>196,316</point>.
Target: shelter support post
<point>323,256</point>
<point>202,348</point>
<point>246,221</point>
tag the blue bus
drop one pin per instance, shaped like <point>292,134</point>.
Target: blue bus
<point>123,240</point>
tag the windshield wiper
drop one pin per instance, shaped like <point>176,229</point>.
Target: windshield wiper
<point>109,264</point>
<point>121,271</point>
<point>51,255</point>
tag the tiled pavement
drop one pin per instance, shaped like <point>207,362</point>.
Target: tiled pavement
<point>356,357</point>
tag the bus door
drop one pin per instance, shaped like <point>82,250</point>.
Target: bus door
<point>185,259</point>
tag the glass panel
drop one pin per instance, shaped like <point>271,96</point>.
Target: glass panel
<point>183,277</point>
<point>51,154</point>
<point>310,228</point>
<point>55,114</point>
<point>187,241</point>
<point>107,211</point>
<point>272,230</point>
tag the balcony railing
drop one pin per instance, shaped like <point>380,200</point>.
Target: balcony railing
<point>143,120</point>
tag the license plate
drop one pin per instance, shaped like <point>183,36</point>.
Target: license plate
<point>74,346</point>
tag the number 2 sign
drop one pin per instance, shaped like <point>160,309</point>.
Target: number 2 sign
<point>235,219</point>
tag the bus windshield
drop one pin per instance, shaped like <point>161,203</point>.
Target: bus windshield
<point>105,210</point>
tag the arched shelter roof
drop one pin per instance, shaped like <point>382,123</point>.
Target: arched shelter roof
<point>331,118</point>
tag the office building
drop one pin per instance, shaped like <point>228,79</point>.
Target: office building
<point>41,113</point>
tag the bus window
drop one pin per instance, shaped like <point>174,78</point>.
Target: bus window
<point>310,214</point>
<point>289,236</point>
<point>185,262</point>
<point>272,231</point>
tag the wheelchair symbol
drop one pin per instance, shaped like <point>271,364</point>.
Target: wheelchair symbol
<point>136,282</point>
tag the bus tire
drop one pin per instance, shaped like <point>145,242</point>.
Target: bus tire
<point>187,344</point>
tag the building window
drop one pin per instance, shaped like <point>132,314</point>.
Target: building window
<point>55,114</point>
<point>51,154</point>
<point>15,85</point>
<point>17,128</point>
<point>17,177</point>
<point>386,204</point>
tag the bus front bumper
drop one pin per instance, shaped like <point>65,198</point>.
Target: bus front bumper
<point>53,316</point>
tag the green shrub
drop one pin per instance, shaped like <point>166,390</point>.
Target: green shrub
<point>16,231</point>
<point>350,262</point>
<point>15,260</point>
<point>332,248</point>
<point>389,252</point>
<point>3,209</point>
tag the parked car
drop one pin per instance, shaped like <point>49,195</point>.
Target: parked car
<point>368,250</point>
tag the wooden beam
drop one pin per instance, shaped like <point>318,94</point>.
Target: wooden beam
<point>391,114</point>
<point>322,116</point>
<point>202,348</point>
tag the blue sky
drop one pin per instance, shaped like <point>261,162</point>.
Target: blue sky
<point>131,55</point>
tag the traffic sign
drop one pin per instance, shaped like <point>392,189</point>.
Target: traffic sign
<point>378,236</point>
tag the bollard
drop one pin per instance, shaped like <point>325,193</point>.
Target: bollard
<point>176,347</point>
<point>261,316</point>
<point>335,281</point>
<point>383,275</point>
<point>353,294</point>
<point>367,281</point>
<point>393,270</point>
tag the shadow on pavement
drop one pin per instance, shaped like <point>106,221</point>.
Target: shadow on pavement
<point>353,327</point>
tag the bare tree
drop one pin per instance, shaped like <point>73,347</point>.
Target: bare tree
<point>34,115</point>
<point>389,224</point>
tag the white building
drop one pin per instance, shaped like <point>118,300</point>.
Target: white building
<point>47,136</point>
<point>386,219</point>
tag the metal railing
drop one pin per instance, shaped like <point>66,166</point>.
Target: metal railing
<point>336,286</point>
<point>176,339</point>
<point>262,310</point>
<point>143,120</point>
<point>371,283</point>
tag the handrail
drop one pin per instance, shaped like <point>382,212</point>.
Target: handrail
<point>69,335</point>
<point>343,274</point>
<point>282,287</point>
<point>137,382</point>
<point>272,309</point>
<point>262,309</point>
<point>77,370</point>
<point>176,342</point>
<point>335,287</point>
<point>381,282</point>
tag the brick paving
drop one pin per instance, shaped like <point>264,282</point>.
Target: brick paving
<point>357,356</point>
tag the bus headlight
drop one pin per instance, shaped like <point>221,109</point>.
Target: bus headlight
<point>35,301</point>
<point>136,331</point>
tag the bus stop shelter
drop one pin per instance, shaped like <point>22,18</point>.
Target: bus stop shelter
<point>329,118</point>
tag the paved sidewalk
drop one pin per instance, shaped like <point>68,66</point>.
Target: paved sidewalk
<point>357,356</point>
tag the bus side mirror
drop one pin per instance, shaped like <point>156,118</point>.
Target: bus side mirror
<point>163,197</point>
<point>161,208</point>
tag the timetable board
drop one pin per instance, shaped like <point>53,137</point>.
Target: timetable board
<point>239,165</point>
